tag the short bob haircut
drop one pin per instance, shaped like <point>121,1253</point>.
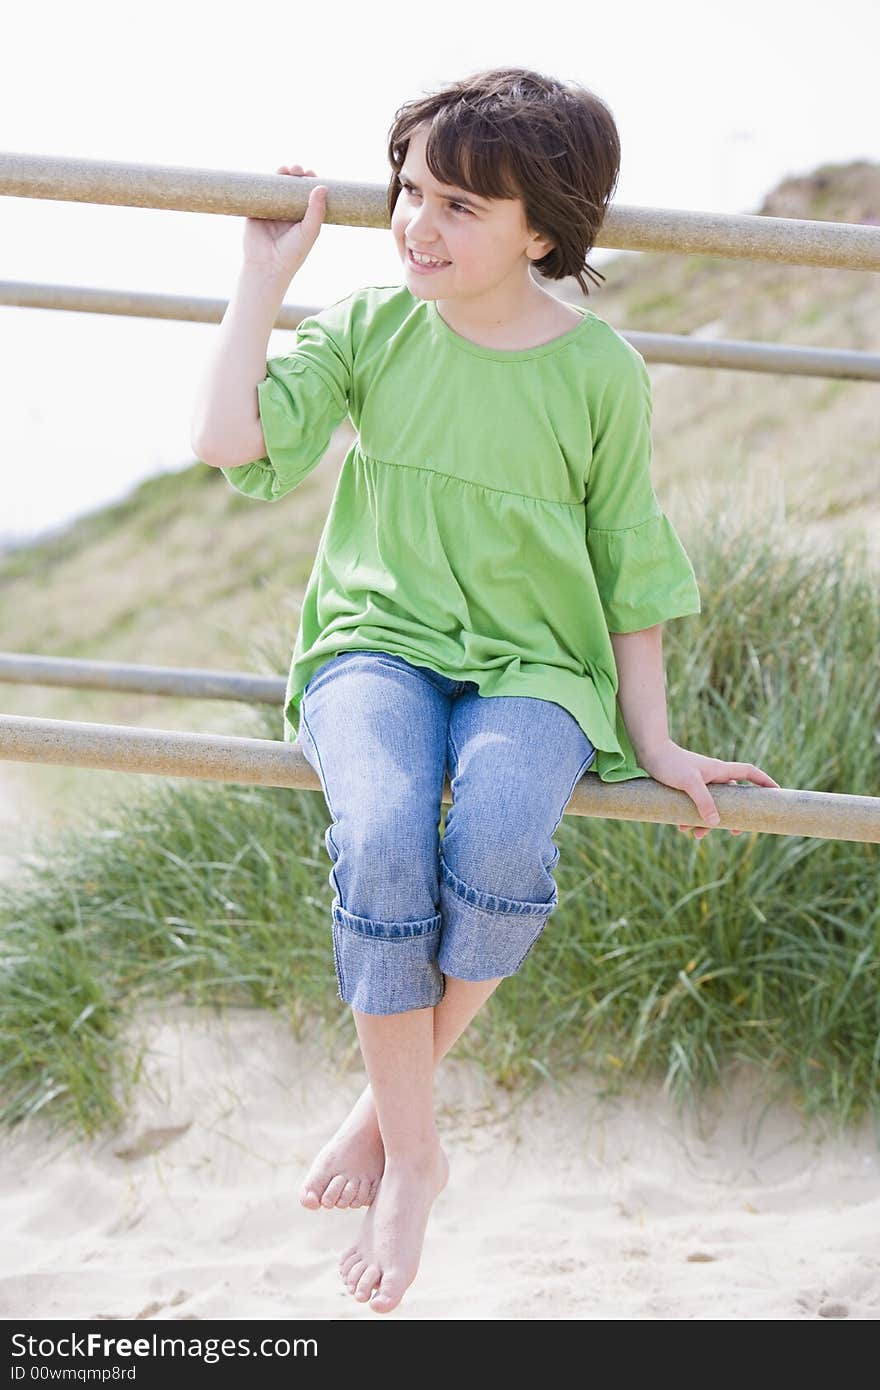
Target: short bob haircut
<point>514,133</point>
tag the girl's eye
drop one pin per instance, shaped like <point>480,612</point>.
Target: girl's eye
<point>408,188</point>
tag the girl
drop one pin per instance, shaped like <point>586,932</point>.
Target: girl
<point>487,597</point>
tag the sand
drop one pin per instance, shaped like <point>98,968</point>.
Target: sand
<point>567,1205</point>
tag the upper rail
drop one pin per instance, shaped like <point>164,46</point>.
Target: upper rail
<point>741,236</point>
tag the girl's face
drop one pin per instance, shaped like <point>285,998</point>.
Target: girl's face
<point>485,242</point>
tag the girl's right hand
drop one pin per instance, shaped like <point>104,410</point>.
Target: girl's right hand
<point>282,247</point>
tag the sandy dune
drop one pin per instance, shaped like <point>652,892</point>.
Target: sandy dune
<point>565,1207</point>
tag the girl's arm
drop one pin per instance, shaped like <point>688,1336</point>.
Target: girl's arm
<point>641,694</point>
<point>642,687</point>
<point>226,430</point>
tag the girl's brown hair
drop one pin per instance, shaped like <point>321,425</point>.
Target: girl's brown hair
<point>514,133</point>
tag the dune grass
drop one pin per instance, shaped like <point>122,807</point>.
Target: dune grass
<point>666,957</point>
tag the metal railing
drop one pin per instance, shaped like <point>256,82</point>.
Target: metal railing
<point>742,236</point>
<point>276,763</point>
<point>823,815</point>
<point>23,668</point>
<point>272,763</point>
<point>681,349</point>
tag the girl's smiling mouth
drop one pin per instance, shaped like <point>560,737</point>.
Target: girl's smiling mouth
<point>425,269</point>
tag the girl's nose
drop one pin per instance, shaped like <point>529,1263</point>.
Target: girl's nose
<point>421,229</point>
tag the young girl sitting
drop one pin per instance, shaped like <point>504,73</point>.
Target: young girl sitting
<point>487,597</point>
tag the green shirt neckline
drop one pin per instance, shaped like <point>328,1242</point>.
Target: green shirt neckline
<point>506,354</point>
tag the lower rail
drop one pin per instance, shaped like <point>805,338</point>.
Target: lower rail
<point>267,762</point>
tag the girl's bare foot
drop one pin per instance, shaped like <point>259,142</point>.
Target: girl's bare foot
<point>386,1255</point>
<point>347,1170</point>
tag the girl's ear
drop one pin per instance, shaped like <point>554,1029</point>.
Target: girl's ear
<point>541,246</point>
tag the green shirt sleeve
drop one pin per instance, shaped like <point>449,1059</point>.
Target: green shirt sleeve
<point>642,571</point>
<point>304,397</point>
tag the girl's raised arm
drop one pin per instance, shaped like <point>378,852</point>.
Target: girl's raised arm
<point>226,430</point>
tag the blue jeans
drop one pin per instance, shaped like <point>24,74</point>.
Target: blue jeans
<point>409,909</point>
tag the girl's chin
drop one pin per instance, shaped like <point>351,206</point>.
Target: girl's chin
<point>416,285</point>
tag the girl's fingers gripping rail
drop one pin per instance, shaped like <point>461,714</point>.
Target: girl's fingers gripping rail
<point>693,773</point>
<point>281,247</point>
<point>699,792</point>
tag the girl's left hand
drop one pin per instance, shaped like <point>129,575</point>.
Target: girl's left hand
<point>692,773</point>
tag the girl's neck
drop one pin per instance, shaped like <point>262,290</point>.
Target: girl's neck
<point>537,318</point>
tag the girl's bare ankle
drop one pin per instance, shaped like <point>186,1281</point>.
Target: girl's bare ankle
<point>415,1155</point>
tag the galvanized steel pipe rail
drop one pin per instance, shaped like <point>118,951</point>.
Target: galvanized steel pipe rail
<point>741,355</point>
<point>172,187</point>
<point>23,668</point>
<point>266,762</point>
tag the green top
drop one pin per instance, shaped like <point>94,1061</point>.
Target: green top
<point>494,519</point>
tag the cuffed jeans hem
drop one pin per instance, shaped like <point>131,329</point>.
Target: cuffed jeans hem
<point>387,967</point>
<point>484,936</point>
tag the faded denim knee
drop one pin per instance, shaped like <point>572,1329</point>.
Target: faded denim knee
<point>387,967</point>
<point>486,936</point>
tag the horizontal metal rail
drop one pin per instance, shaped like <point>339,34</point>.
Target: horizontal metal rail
<point>746,355</point>
<point>266,762</point>
<point>23,668</point>
<point>741,355</point>
<point>740,236</point>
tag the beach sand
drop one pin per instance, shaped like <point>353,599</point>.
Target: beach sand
<point>565,1205</point>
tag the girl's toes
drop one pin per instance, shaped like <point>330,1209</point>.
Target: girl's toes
<point>310,1198</point>
<point>354,1274</point>
<point>367,1282</point>
<point>361,1191</point>
<point>347,1259</point>
<point>388,1295</point>
<point>333,1189</point>
<point>348,1194</point>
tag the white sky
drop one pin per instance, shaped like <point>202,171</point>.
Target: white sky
<point>715,105</point>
